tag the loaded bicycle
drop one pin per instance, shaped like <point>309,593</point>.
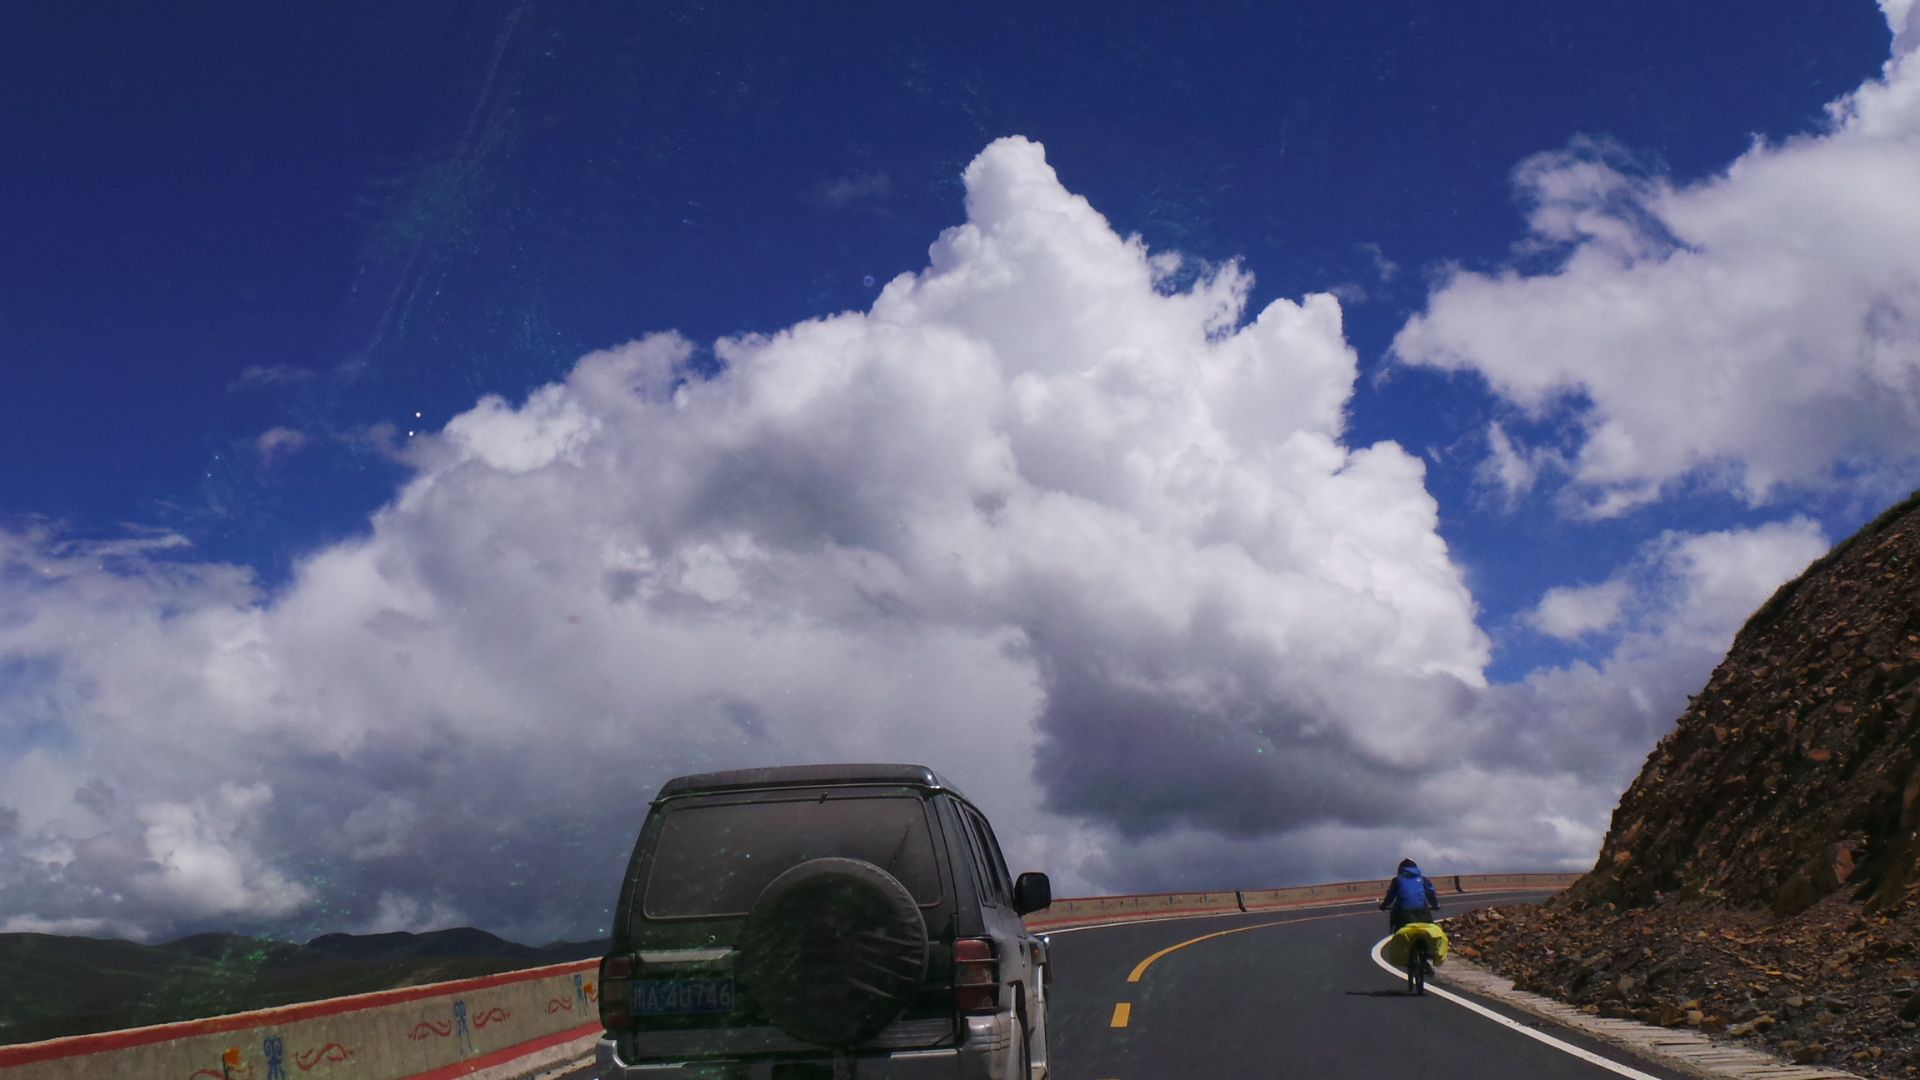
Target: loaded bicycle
<point>1417,948</point>
<point>1419,966</point>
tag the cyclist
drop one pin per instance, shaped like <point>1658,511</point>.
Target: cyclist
<point>1410,897</point>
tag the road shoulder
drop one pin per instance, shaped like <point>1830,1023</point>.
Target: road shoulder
<point>1681,1049</point>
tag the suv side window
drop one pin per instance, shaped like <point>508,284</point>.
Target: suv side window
<point>970,839</point>
<point>995,878</point>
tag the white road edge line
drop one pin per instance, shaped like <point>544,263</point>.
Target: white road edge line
<point>1541,1036</point>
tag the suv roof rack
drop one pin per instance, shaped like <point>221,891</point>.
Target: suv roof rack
<point>806,776</point>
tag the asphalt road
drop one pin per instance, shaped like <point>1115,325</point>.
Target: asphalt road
<point>1288,994</point>
<point>1285,994</point>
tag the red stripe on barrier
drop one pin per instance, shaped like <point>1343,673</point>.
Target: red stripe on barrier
<point>501,1057</point>
<point>100,1042</point>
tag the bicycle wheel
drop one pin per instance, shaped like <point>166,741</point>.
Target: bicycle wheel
<point>1417,967</point>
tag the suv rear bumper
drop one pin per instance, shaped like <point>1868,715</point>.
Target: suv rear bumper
<point>987,1054</point>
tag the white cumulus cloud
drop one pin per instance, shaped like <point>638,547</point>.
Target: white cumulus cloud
<point>1571,612</point>
<point>1753,330</point>
<point>1673,610</point>
<point>1091,543</point>
<point>277,443</point>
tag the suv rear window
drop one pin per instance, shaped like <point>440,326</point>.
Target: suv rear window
<point>715,858</point>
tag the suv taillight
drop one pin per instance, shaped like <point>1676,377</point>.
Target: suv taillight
<point>616,992</point>
<point>976,976</point>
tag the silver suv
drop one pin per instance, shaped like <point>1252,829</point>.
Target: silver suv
<point>814,922</point>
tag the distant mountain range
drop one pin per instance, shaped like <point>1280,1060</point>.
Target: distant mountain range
<point>52,985</point>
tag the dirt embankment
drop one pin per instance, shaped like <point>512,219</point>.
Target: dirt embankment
<point>1833,984</point>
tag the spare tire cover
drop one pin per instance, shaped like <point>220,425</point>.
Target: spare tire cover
<point>833,950</point>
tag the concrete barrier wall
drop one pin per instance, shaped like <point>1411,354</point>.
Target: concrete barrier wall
<point>1122,908</point>
<point>1099,910</point>
<point>430,1032</point>
<point>1492,882</point>
<point>1338,892</point>
<point>451,1029</point>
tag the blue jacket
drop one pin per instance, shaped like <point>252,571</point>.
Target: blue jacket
<point>1410,889</point>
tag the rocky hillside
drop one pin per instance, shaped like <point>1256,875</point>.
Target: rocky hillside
<point>1796,772</point>
<point>1761,877</point>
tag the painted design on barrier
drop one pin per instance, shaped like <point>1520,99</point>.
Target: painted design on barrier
<point>332,1053</point>
<point>491,1016</point>
<point>582,994</point>
<point>231,1068</point>
<point>460,1025</point>
<point>425,1028</point>
<point>275,1051</point>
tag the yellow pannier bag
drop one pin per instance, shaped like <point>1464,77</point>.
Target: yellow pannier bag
<point>1401,943</point>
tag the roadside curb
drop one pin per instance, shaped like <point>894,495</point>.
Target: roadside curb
<point>1678,1048</point>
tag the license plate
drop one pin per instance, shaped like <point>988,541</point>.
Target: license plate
<point>683,997</point>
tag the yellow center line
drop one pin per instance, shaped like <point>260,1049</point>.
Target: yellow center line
<point>1121,1013</point>
<point>1141,968</point>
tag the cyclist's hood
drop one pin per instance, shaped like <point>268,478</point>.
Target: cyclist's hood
<point>1410,871</point>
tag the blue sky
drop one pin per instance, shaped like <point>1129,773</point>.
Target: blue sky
<point>463,200</point>
<point>253,264</point>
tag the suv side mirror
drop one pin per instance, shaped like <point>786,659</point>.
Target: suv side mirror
<point>1033,892</point>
